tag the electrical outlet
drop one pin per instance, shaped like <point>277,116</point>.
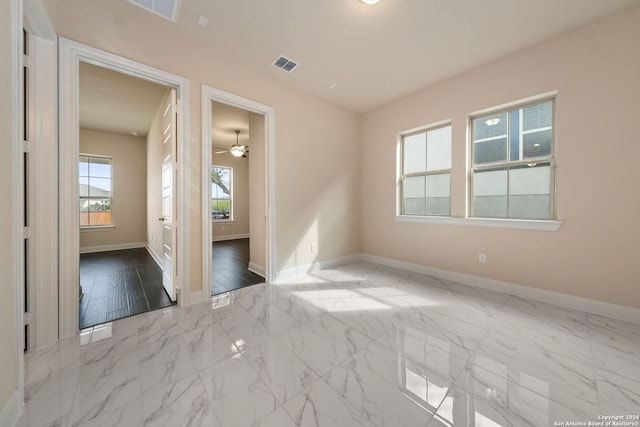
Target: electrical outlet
<point>482,257</point>
<point>314,247</point>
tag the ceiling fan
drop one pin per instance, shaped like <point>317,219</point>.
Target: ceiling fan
<point>236,149</point>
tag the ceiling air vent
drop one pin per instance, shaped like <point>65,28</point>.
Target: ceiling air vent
<point>168,9</point>
<point>285,63</point>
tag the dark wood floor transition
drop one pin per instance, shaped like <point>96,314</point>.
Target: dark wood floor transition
<point>118,284</point>
<point>229,266</point>
<point>123,283</point>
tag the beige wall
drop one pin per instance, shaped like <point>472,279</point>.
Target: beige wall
<point>129,184</point>
<point>317,191</point>
<point>240,192</point>
<point>257,225</point>
<point>595,70</point>
<point>8,184</point>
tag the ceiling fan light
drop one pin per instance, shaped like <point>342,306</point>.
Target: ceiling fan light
<point>237,151</point>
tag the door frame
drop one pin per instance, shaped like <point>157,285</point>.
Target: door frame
<point>209,95</point>
<point>71,53</point>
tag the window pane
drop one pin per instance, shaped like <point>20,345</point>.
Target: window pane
<point>221,205</point>
<point>84,186</point>
<point>99,187</point>
<point>537,116</point>
<point>415,153</point>
<point>490,193</point>
<point>438,194</point>
<point>100,167</point>
<point>439,149</point>
<point>490,126</point>
<point>492,151</point>
<point>529,191</point>
<point>83,166</point>
<point>99,212</point>
<point>537,144</point>
<point>414,202</point>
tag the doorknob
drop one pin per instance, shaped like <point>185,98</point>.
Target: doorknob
<point>161,219</point>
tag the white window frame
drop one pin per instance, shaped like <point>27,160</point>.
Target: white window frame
<point>231,196</point>
<point>508,163</point>
<point>81,198</point>
<point>401,175</point>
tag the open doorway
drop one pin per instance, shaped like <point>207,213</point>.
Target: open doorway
<point>236,155</point>
<point>126,129</point>
<point>171,199</point>
<point>234,198</point>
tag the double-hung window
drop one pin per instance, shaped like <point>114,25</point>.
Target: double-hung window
<point>221,193</point>
<point>512,163</point>
<point>425,181</point>
<point>95,179</point>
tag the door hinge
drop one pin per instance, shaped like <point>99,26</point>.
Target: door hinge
<point>27,233</point>
<point>27,61</point>
<point>27,146</point>
<point>29,318</point>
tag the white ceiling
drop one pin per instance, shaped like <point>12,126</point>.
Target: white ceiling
<point>375,54</point>
<point>116,102</point>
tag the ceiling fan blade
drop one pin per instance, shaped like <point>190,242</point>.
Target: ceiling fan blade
<point>220,152</point>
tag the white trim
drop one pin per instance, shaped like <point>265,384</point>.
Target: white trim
<point>71,53</point>
<point>116,247</point>
<point>615,311</point>
<point>157,258</point>
<point>498,108</point>
<point>292,273</point>
<point>210,94</point>
<point>43,192</point>
<point>92,228</point>
<point>257,269</point>
<point>17,273</point>
<point>12,411</point>
<point>230,237</point>
<point>517,224</point>
<point>37,20</point>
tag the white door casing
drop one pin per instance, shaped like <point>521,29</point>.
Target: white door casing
<point>70,54</point>
<point>210,94</point>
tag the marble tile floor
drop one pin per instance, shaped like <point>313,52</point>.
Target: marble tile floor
<point>359,345</point>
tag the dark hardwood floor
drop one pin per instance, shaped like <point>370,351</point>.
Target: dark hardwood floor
<point>118,284</point>
<point>229,266</point>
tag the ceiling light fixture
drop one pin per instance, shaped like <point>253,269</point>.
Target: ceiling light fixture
<point>492,122</point>
<point>369,1</point>
<point>238,150</point>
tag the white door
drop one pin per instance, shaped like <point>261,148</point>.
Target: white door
<point>168,217</point>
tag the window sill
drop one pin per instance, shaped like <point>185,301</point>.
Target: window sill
<point>517,224</point>
<point>222,221</point>
<point>97,228</point>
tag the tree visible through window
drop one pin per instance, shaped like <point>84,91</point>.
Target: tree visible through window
<point>512,163</point>
<point>221,193</point>
<point>95,190</point>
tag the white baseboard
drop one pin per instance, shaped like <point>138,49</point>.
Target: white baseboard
<point>230,237</point>
<point>258,269</point>
<point>116,247</point>
<point>155,256</point>
<point>12,411</point>
<point>292,273</point>
<point>615,311</point>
